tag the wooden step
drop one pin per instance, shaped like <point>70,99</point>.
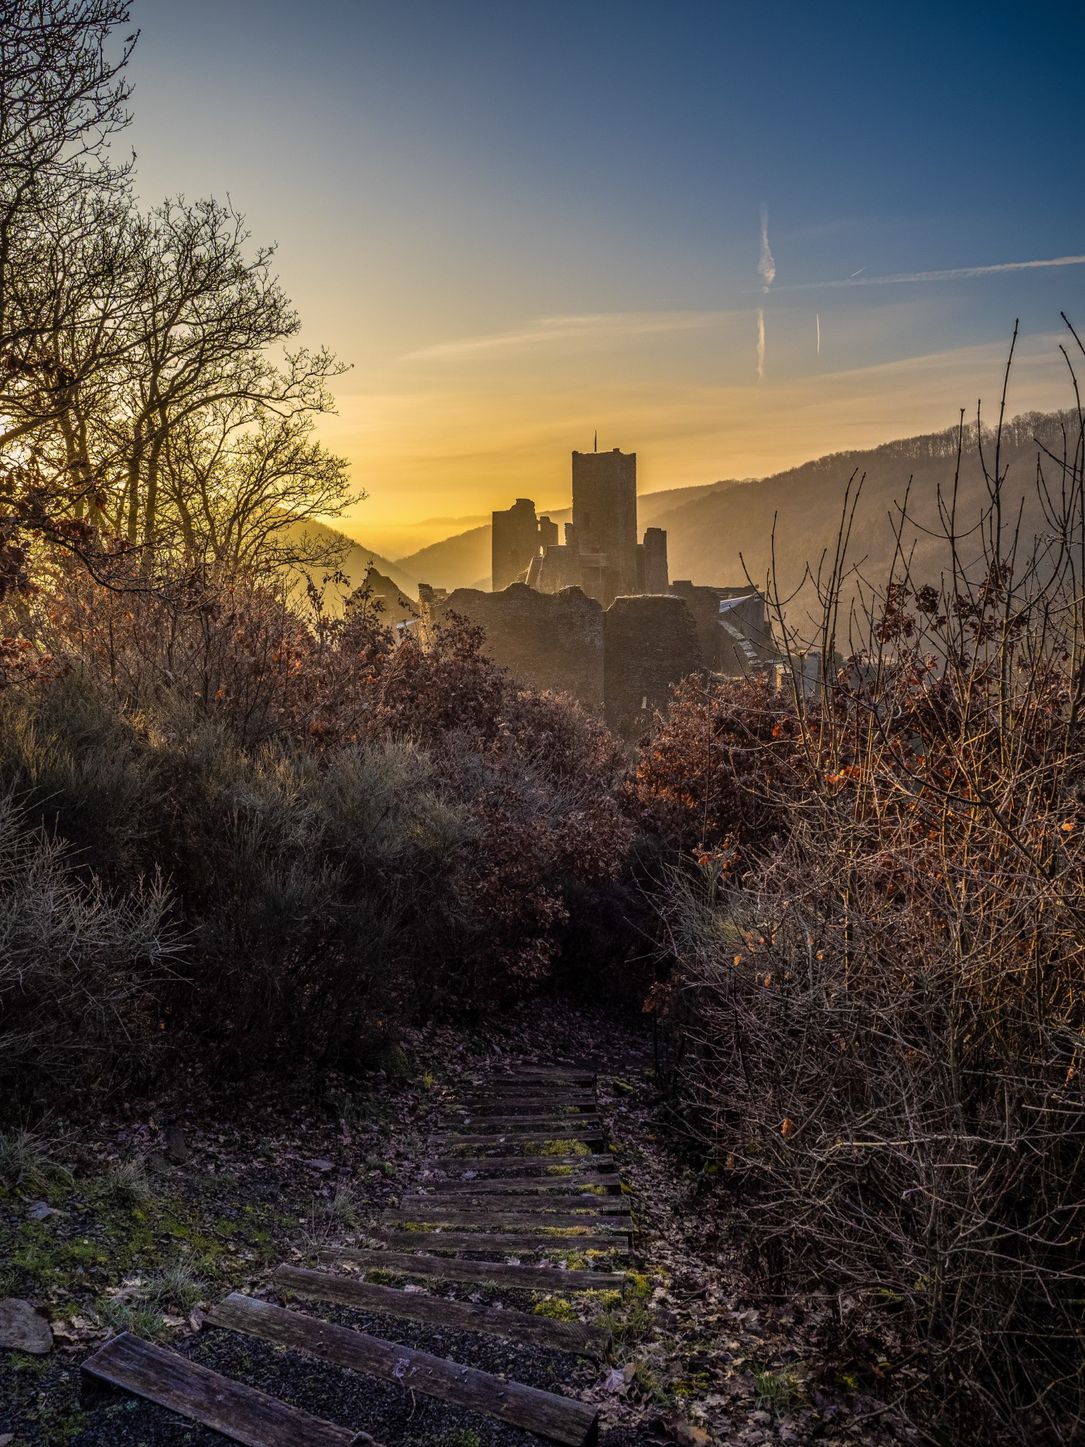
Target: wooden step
<point>527,1070</point>
<point>497,1217</point>
<point>505,1205</point>
<point>545,1413</point>
<point>526,1104</point>
<point>500,1125</point>
<point>523,1165</point>
<point>506,1124</point>
<point>494,1273</point>
<point>526,1135</point>
<point>526,1185</point>
<point>538,1243</point>
<point>241,1413</point>
<point>519,1326</point>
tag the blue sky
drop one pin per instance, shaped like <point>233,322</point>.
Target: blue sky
<point>523,220</point>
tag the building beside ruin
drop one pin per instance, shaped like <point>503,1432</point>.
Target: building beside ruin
<point>596,615</point>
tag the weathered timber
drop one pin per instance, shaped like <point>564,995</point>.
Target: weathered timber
<point>238,1412</point>
<point>520,1326</point>
<point>505,1205</point>
<point>526,1185</point>
<point>532,1125</point>
<point>528,1135</point>
<point>524,1165</point>
<point>526,1243</point>
<point>526,1104</point>
<point>494,1273</point>
<point>496,1216</point>
<point>559,1418</point>
<point>528,1070</point>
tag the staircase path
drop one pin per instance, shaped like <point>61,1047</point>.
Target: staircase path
<point>470,1279</point>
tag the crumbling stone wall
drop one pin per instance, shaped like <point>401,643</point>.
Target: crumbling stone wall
<point>514,542</point>
<point>550,640</point>
<point>651,644</point>
<point>717,644</point>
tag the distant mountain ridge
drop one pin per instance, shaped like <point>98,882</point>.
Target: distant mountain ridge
<point>463,560</point>
<point>356,559</point>
<point>718,531</point>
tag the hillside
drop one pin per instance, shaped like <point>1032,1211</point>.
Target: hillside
<point>356,558</point>
<point>715,528</point>
<point>712,537</point>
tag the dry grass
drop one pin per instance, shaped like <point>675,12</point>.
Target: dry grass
<point>880,1028</point>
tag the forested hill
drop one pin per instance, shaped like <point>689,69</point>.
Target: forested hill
<point>713,529</point>
<point>712,536</point>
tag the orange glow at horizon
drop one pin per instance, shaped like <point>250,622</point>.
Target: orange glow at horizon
<point>436,460</point>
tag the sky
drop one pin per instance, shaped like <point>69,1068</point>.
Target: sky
<point>727,237</point>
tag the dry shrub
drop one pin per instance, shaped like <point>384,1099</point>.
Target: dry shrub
<point>876,1016</point>
<point>80,967</point>
<point>354,830</point>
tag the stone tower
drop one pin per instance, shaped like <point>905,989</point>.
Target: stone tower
<point>605,522</point>
<point>514,543</point>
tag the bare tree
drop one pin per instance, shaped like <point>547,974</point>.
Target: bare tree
<point>62,98</point>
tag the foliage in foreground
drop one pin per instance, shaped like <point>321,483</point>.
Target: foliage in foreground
<point>876,1014</point>
<point>269,841</point>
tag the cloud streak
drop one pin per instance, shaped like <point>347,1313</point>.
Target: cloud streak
<point>760,344</point>
<point>766,264</point>
<point>954,273</point>
<point>592,327</point>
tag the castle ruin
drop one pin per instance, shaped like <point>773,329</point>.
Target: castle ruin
<point>596,615</point>
<point>600,553</point>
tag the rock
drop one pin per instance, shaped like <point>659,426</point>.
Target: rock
<point>22,1329</point>
<point>689,1434</point>
<point>176,1145</point>
<point>322,1166</point>
<point>41,1211</point>
<point>6,1439</point>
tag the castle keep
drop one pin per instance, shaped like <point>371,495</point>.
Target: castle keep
<point>595,615</point>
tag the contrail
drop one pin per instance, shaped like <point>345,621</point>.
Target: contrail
<point>956,273</point>
<point>817,324</point>
<point>852,274</point>
<point>766,266</point>
<point>761,344</point>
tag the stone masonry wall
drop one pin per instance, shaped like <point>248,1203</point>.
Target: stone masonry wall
<point>651,644</point>
<point>550,640</point>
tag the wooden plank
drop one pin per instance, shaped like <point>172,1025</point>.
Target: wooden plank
<point>525,1165</point>
<point>528,1070</point>
<point>558,1095</point>
<point>526,1135</point>
<point>241,1413</point>
<point>526,1185</point>
<point>494,1273</point>
<point>561,1419</point>
<point>504,1205</point>
<point>513,1124</point>
<point>521,1326</point>
<point>527,1104</point>
<point>515,1243</point>
<point>496,1217</point>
